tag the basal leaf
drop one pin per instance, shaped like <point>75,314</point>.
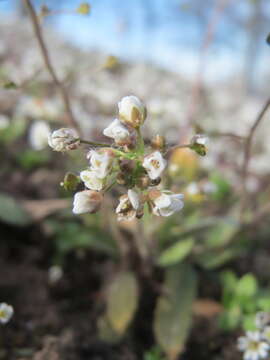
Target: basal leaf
<point>122,301</point>
<point>173,314</point>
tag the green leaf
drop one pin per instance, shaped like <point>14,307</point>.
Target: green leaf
<point>176,253</point>
<point>70,236</point>
<point>249,322</point>
<point>230,319</point>
<point>223,187</point>
<point>30,159</point>
<point>264,303</point>
<point>14,130</point>
<point>12,212</point>
<point>221,233</point>
<point>10,85</point>
<point>247,286</point>
<point>213,260</point>
<point>173,314</point>
<point>122,301</point>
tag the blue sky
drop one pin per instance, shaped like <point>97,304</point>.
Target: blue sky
<point>165,32</point>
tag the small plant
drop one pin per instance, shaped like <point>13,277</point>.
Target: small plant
<point>242,299</point>
<point>127,162</point>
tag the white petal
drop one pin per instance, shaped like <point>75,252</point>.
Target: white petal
<point>134,199</point>
<point>163,201</point>
<point>91,180</point>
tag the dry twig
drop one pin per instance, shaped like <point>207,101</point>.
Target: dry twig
<point>247,152</point>
<point>38,33</point>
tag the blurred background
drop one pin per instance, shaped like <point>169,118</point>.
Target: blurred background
<point>199,66</point>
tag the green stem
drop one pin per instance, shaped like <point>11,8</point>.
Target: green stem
<point>140,142</point>
<point>184,146</point>
<point>93,143</point>
<point>109,186</point>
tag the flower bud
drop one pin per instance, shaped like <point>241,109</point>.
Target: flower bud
<point>64,139</point>
<point>198,144</point>
<point>158,142</point>
<point>87,201</point>
<point>132,111</point>
<point>117,131</point>
<point>70,181</point>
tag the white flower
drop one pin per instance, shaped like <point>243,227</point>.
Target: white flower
<point>38,135</point>
<point>253,346</point>
<point>132,111</point>
<point>55,273</point>
<point>64,139</point>
<point>193,188</point>
<point>6,312</point>
<point>154,164</point>
<point>91,180</point>
<point>86,201</point>
<point>130,205</point>
<point>101,162</point>
<point>200,139</point>
<point>4,122</point>
<point>117,131</point>
<point>166,203</point>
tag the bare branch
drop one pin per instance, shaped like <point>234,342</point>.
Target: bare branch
<point>247,152</point>
<point>38,33</point>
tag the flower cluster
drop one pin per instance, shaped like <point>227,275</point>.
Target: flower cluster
<point>256,344</point>
<point>127,161</point>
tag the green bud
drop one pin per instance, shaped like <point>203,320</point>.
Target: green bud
<point>70,182</point>
<point>83,9</point>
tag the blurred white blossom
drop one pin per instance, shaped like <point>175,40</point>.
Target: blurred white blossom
<point>38,135</point>
<point>4,122</point>
<point>55,273</point>
<point>253,346</point>
<point>6,313</point>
